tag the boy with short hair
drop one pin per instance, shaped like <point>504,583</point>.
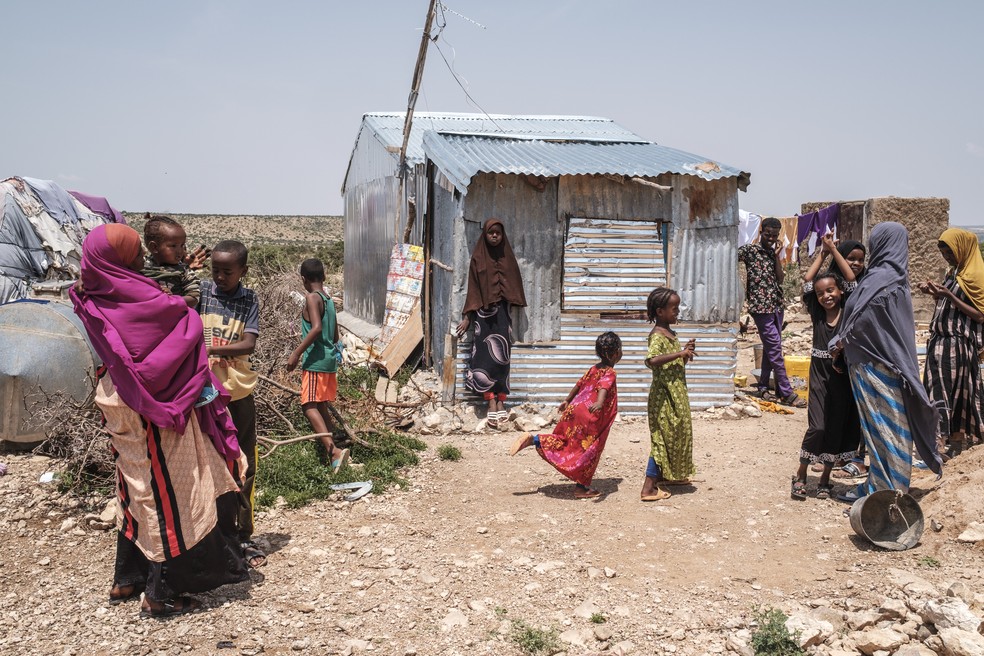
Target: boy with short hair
<point>165,263</point>
<point>321,351</point>
<point>231,318</point>
<point>763,293</point>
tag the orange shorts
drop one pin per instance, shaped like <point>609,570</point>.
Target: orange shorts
<point>317,386</point>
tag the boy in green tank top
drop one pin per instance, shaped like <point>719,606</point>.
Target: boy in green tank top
<point>319,354</point>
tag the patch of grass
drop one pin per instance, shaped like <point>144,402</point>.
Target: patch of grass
<point>298,473</point>
<point>927,561</point>
<point>449,452</point>
<point>533,640</point>
<point>598,618</point>
<point>772,638</point>
<point>355,383</point>
<point>500,611</point>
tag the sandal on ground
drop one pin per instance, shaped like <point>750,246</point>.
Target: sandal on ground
<point>492,420</point>
<point>797,489</point>
<point>850,470</point>
<point>170,608</point>
<point>253,555</point>
<point>660,494</point>
<point>824,491</point>
<point>586,493</point>
<point>793,401</point>
<point>120,593</point>
<point>340,461</point>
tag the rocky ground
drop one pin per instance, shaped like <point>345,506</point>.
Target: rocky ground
<point>473,551</point>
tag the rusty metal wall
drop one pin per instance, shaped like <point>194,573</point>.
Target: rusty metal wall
<point>704,259</point>
<point>447,247</point>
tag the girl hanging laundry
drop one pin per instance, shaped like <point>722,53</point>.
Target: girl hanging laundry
<point>878,338</point>
<point>575,445</point>
<point>494,286</point>
<point>834,427</point>
<point>952,373</point>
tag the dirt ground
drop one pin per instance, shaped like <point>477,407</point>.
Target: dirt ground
<point>448,564</point>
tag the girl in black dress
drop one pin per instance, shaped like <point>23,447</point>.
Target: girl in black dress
<point>834,426</point>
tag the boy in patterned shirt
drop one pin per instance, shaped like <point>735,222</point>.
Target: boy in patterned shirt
<point>231,317</point>
<point>763,293</point>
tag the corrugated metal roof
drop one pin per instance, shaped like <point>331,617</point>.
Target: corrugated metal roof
<point>461,157</point>
<point>388,127</point>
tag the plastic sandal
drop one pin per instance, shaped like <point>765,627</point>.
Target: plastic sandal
<point>793,401</point>
<point>824,491</point>
<point>340,462</point>
<point>850,470</point>
<point>797,489</point>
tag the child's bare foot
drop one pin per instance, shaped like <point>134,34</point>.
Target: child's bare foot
<point>524,441</point>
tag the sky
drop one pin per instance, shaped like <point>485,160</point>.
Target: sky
<point>245,107</point>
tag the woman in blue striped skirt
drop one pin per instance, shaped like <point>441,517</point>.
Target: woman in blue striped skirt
<point>878,338</point>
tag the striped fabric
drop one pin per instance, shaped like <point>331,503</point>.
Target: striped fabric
<point>885,426</point>
<point>952,373</point>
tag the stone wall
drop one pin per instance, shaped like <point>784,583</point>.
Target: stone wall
<point>924,218</point>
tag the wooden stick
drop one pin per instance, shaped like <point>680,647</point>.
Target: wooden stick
<point>278,413</point>
<point>279,385</point>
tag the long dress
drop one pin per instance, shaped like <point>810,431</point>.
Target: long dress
<point>885,425</point>
<point>178,503</point>
<point>575,445</point>
<point>670,426</point>
<point>488,369</point>
<point>952,372</point>
<point>834,430</point>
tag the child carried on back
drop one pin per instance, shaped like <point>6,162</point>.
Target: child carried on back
<point>834,426</point>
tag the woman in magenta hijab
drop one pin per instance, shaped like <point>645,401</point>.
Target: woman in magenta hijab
<point>177,464</point>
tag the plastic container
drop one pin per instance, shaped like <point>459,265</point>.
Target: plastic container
<point>889,519</point>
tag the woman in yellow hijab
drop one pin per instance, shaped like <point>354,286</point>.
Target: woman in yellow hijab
<point>952,375</point>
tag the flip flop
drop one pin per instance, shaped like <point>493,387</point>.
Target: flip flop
<point>252,553</point>
<point>793,401</point>
<point>179,606</point>
<point>660,494</point>
<point>340,462</point>
<point>586,494</point>
<point>850,470</point>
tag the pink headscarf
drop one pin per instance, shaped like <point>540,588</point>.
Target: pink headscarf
<point>151,343</point>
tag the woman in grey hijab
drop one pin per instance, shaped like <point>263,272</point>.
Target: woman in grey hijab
<point>878,338</point>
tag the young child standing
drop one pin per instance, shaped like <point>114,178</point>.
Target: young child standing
<point>834,425</point>
<point>321,351</point>
<point>231,319</point>
<point>763,293</point>
<point>671,460</point>
<point>575,445</point>
<point>166,254</point>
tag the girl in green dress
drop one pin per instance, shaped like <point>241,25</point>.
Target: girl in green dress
<point>671,457</point>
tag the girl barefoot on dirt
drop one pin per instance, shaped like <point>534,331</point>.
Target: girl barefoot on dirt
<point>574,448</point>
<point>671,459</point>
<point>834,427</point>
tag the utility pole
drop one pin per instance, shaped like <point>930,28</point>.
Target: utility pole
<point>418,75</point>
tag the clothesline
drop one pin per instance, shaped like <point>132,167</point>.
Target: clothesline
<point>809,228</point>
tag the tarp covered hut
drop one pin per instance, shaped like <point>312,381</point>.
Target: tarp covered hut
<point>597,217</point>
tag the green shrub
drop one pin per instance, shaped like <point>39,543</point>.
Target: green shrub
<point>772,638</point>
<point>449,452</point>
<point>598,618</point>
<point>533,640</point>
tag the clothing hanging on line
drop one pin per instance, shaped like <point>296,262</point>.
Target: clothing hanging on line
<point>812,226</point>
<point>749,225</point>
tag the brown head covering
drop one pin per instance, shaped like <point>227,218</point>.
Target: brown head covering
<point>124,240</point>
<point>493,274</point>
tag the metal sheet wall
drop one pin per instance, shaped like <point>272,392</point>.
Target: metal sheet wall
<point>704,260</point>
<point>448,247</point>
<point>597,196</point>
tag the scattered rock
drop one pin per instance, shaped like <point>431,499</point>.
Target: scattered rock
<point>454,618</point>
<point>892,609</point>
<point>575,637</point>
<point>869,642</point>
<point>950,612</point>
<point>961,590</point>
<point>962,643</point>
<point>812,631</point>
<point>914,649</point>
<point>587,610</point>
<point>973,533</point>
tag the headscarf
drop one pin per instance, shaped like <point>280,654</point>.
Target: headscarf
<point>878,326</point>
<point>970,264</point>
<point>845,248</point>
<point>493,274</point>
<point>151,343</point>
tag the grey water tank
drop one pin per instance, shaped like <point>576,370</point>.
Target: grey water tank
<point>42,344</point>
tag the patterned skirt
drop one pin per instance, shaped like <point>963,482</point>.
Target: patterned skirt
<point>953,380</point>
<point>885,426</point>
<point>488,371</point>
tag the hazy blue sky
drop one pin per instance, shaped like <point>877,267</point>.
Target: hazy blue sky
<point>253,107</point>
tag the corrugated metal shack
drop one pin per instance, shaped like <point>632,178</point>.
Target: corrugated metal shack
<point>596,215</point>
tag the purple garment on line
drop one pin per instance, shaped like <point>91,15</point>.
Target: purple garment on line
<point>99,205</point>
<point>152,344</point>
<point>817,223</point>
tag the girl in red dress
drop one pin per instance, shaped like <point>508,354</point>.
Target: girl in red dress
<point>575,445</point>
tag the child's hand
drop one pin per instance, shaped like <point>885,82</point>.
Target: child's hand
<point>689,351</point>
<point>924,287</point>
<point>829,244</point>
<point>595,407</point>
<point>563,406</point>
<point>165,289</point>
<point>292,361</point>
<point>196,258</point>
<point>462,327</point>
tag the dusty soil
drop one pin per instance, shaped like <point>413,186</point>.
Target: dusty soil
<point>445,565</point>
